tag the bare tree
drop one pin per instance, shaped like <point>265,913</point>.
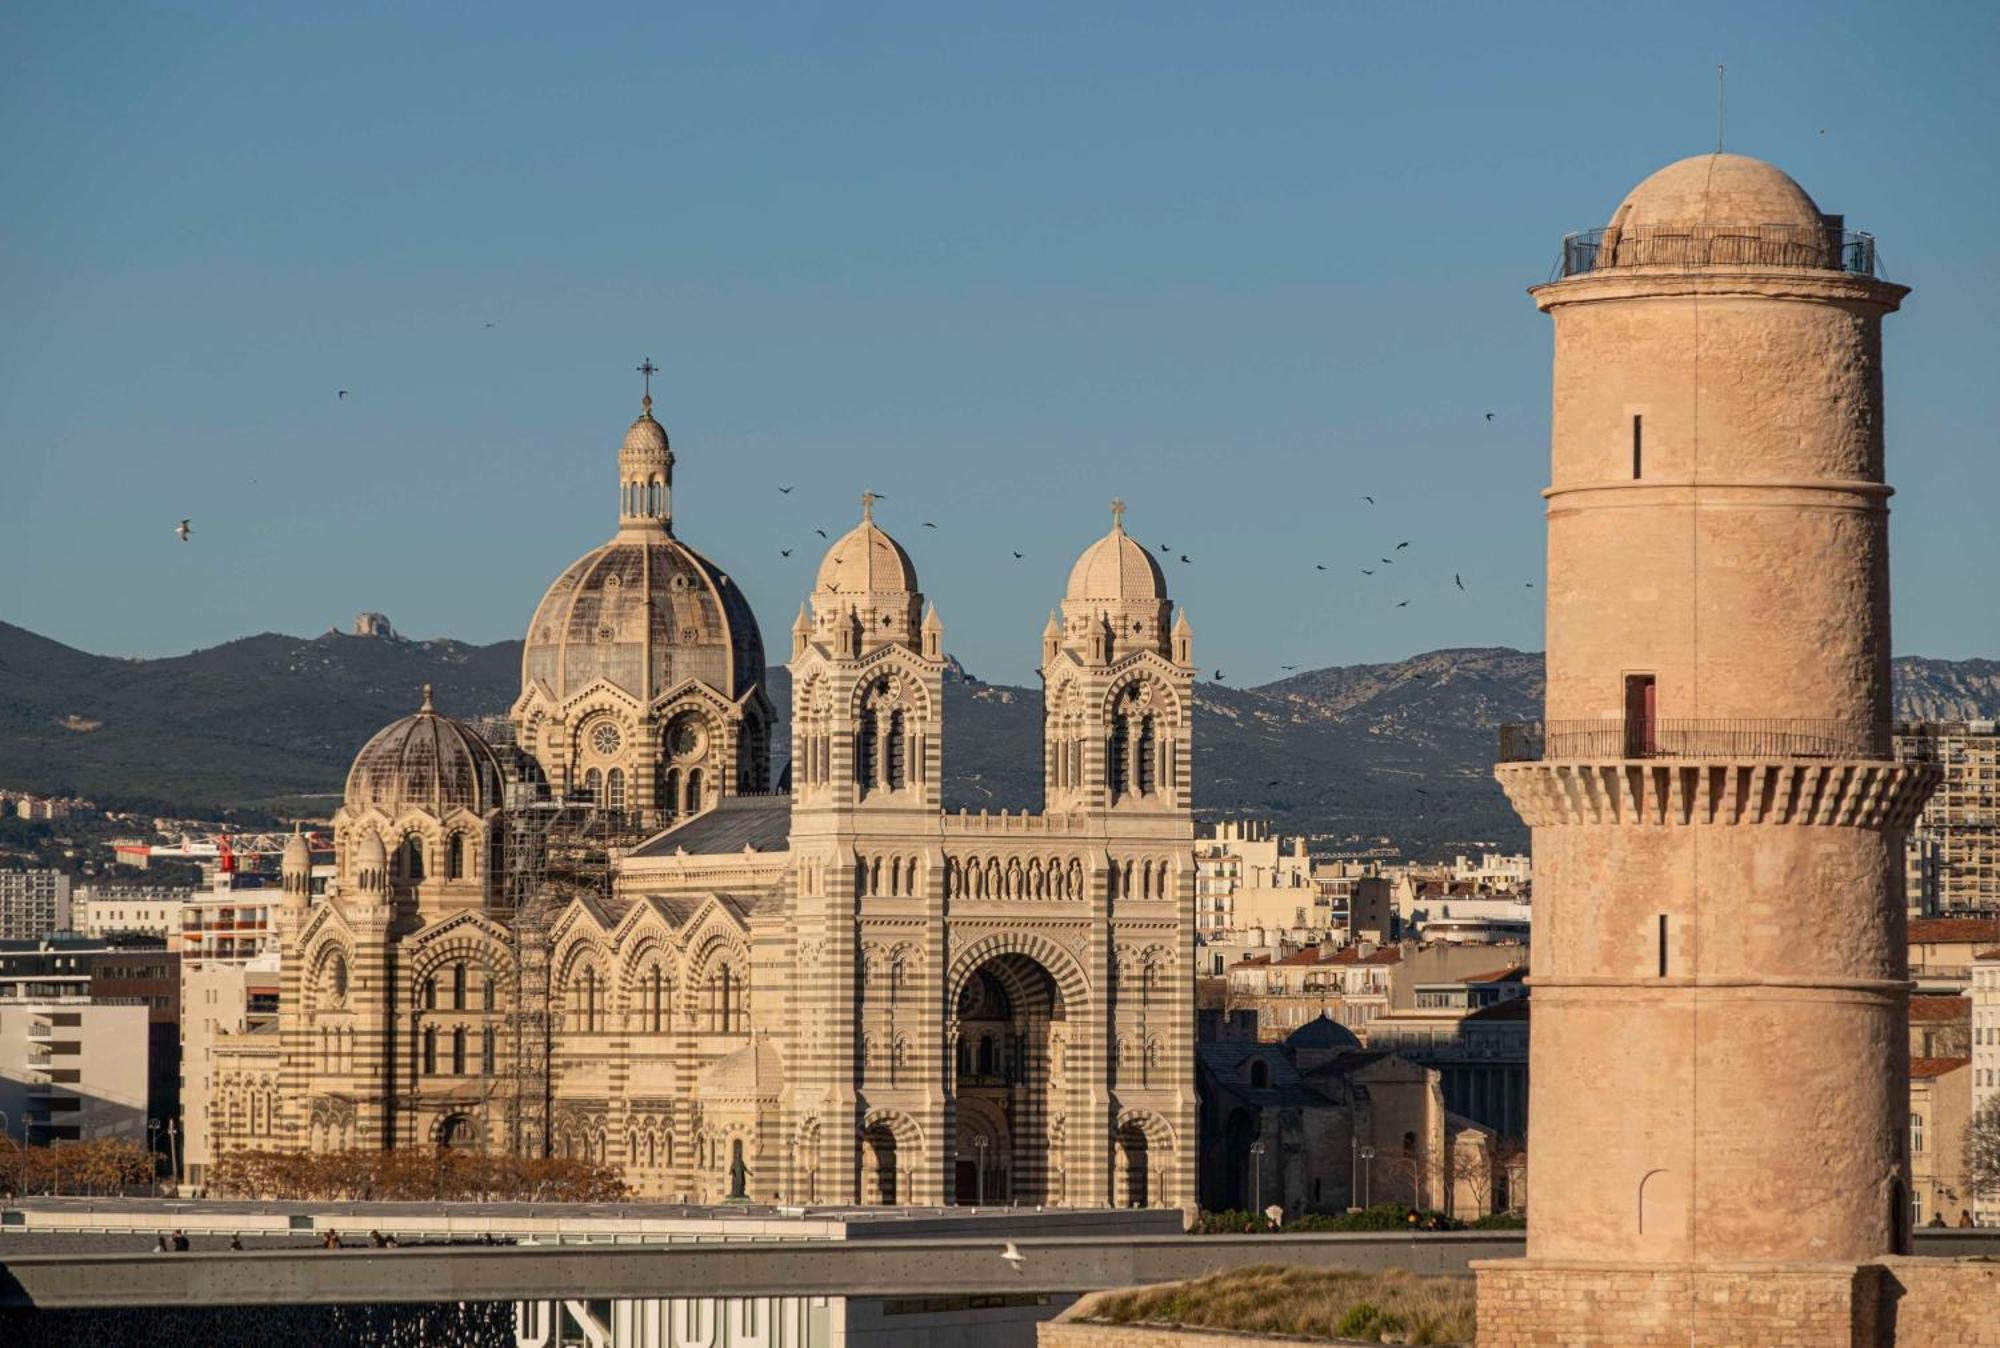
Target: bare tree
<point>1472,1174</point>
<point>1982,1150</point>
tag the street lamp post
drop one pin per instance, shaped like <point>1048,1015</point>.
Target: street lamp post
<point>1256,1178</point>
<point>1367,1166</point>
<point>153,1150</point>
<point>174,1150</point>
<point>979,1170</point>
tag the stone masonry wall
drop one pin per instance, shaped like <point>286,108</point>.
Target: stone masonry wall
<point>1941,1301</point>
<point>1541,1304</point>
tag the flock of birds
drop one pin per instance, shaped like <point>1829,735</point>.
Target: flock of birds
<point>185,532</point>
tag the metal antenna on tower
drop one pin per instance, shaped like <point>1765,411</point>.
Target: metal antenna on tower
<point>1718,107</point>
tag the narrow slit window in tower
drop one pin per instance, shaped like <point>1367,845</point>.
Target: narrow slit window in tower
<point>1638,446</point>
<point>1663,945</point>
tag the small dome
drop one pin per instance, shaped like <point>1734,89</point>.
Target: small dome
<point>426,760</point>
<point>1117,567</point>
<point>646,434</point>
<point>865,560</point>
<point>753,1072</point>
<point>298,852</point>
<point>1717,189</point>
<point>1322,1032</point>
<point>371,855</point>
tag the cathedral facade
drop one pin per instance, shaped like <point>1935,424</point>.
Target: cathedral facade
<point>622,938</point>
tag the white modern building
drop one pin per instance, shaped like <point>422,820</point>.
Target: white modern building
<point>33,903</point>
<point>73,1068</point>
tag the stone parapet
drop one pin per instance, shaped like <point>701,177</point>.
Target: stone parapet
<point>1827,793</point>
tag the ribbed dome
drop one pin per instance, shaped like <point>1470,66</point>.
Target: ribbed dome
<point>425,760</point>
<point>865,560</point>
<point>646,614</point>
<point>298,852</point>
<point>1717,189</point>
<point>753,1072</point>
<point>646,434</point>
<point>1116,567</point>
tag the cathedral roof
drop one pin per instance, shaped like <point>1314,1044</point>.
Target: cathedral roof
<point>760,822</point>
<point>427,760</point>
<point>753,1072</point>
<point>644,613</point>
<point>1117,567</point>
<point>865,560</point>
<point>1717,189</point>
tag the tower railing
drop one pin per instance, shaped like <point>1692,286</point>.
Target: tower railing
<point>1729,737</point>
<point>1803,246</point>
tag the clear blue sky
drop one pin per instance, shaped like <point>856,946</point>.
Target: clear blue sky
<point>1238,263</point>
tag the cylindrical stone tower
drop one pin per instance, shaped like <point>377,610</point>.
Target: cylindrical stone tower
<point>1719,962</point>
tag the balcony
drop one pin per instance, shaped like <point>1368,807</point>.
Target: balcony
<point>1791,246</point>
<point>1737,737</point>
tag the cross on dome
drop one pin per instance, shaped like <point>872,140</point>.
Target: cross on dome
<point>648,369</point>
<point>868,500</point>
<point>1118,513</point>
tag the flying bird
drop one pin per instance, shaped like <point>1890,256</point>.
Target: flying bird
<point>820,532</point>
<point>492,325</point>
<point>1272,782</point>
<point>1287,666</point>
<point>1369,499</point>
<point>1531,584</point>
<point>182,531</point>
<point>1404,604</point>
<point>1218,676</point>
<point>1017,556</point>
<point>1012,1254</point>
<point>784,491</point>
<point>1318,567</point>
<point>1400,546</point>
<point>929,525</point>
<point>1184,556</point>
<point>1422,792</point>
<point>784,552</point>
<point>1456,581</point>
<point>1366,572</point>
<point>1489,416</point>
<point>1164,547</point>
<point>343,393</point>
<point>1388,561</point>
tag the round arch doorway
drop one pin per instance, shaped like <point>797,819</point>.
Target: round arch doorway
<point>1008,1082</point>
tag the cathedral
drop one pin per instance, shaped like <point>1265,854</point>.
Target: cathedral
<point>622,937</point>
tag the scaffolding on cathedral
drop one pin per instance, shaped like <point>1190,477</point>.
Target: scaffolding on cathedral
<point>553,851</point>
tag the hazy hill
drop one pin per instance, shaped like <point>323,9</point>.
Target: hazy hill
<point>1348,754</point>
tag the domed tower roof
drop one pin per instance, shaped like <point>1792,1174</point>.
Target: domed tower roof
<point>1117,567</point>
<point>865,560</point>
<point>1717,189</point>
<point>426,760</point>
<point>1322,1032</point>
<point>645,611</point>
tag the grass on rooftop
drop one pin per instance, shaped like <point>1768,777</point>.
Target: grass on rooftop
<point>1392,1307</point>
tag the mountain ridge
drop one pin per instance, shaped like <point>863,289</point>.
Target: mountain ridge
<point>1350,755</point>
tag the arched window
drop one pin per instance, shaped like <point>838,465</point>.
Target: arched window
<point>458,1052</point>
<point>1147,750</point>
<point>430,1050</point>
<point>893,760</point>
<point>986,1055</point>
<point>454,857</point>
<point>593,787</point>
<point>589,1000</point>
<point>458,986</point>
<point>670,791</point>
<point>1260,1074</point>
<point>486,1051</point>
<point>864,753</point>
<point>1115,754</point>
<point>614,789</point>
<point>964,1058</point>
<point>486,990</point>
<point>658,996</point>
<point>694,791</point>
<point>413,858</point>
<point>431,993</point>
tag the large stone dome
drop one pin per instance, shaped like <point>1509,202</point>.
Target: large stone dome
<point>425,760</point>
<point>1717,189</point>
<point>644,613</point>
<point>1117,567</point>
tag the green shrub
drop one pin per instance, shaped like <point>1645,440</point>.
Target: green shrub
<point>1502,1221</point>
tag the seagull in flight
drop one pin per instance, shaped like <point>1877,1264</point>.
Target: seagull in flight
<point>1164,547</point>
<point>1366,572</point>
<point>929,525</point>
<point>1404,604</point>
<point>1388,561</point>
<point>820,532</point>
<point>784,491</point>
<point>181,531</point>
<point>1184,557</point>
<point>1400,546</point>
<point>1012,1254</point>
<point>492,325</point>
<point>1287,666</point>
<point>1457,581</point>
<point>1218,676</point>
<point>784,552</point>
<point>1017,556</point>
<point>342,393</point>
<point>1489,416</point>
<point>1369,499</point>
<point>1318,567</point>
